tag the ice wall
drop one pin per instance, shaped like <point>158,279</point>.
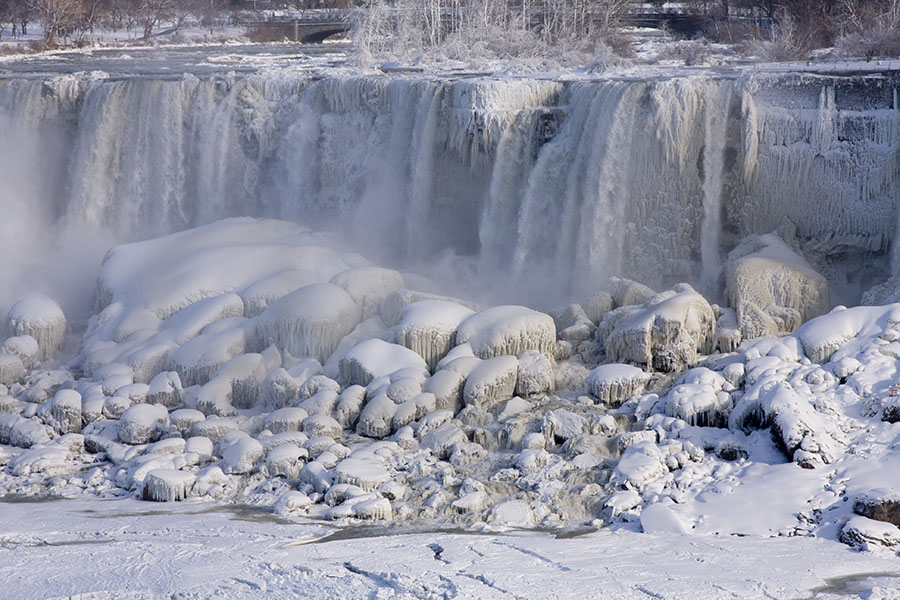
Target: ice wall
<point>534,190</point>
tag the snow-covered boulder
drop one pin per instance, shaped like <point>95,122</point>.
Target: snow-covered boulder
<point>864,533</point>
<point>535,375</point>
<point>279,388</point>
<point>392,305</point>
<point>241,455</point>
<point>613,384</point>
<point>368,285</point>
<point>42,319</point>
<point>199,359</point>
<point>669,333</point>
<point>698,405</point>
<point>289,418</point>
<point>507,330</point>
<point>143,423</point>
<point>349,406</point>
<point>258,296</point>
<point>285,460</point>
<point>165,388</point>
<point>764,270</point>
<point>321,425</point>
<point>368,475</point>
<point>882,504</point>
<point>447,387</point>
<point>429,328</point>
<point>493,381</point>
<point>25,347</point>
<point>23,433</point>
<point>12,370</point>
<point>597,306</point>
<point>373,509</point>
<point>376,418</point>
<point>309,322</point>
<point>625,292</point>
<point>376,358</point>
<point>64,412</point>
<point>168,485</point>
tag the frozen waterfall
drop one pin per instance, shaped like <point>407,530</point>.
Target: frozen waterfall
<point>536,190</point>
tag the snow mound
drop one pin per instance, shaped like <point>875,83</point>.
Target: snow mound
<point>535,374</point>
<point>25,347</point>
<point>508,330</point>
<point>429,328</point>
<point>309,322</point>
<point>12,370</point>
<point>40,318</point>
<point>258,296</point>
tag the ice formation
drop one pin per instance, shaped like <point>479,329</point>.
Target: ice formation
<point>308,379</point>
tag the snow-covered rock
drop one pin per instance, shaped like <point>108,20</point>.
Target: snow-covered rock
<point>865,533</point>
<point>168,485</point>
<point>143,423</point>
<point>285,460</point>
<point>12,370</point>
<point>365,474</point>
<point>42,319</point>
<point>764,271</point>
<point>535,375</point>
<point>241,455</point>
<point>669,333</point>
<point>613,384</point>
<point>376,418</point>
<point>376,358</point>
<point>429,328</point>
<point>493,381</point>
<point>309,322</point>
<point>507,330</point>
<point>165,388</point>
<point>368,285</point>
<point>881,504</point>
<point>64,412</point>
<point>25,347</point>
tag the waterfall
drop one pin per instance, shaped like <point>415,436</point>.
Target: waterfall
<point>537,189</point>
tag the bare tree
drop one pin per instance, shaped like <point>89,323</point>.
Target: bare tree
<point>57,17</point>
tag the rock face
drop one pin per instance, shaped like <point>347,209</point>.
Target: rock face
<point>764,271</point>
<point>668,333</point>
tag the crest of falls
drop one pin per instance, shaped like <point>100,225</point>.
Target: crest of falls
<point>534,190</point>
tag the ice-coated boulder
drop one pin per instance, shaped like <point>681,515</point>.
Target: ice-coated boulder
<point>375,508</point>
<point>493,381</point>
<point>143,423</point>
<point>12,370</point>
<point>23,433</point>
<point>668,333</point>
<point>63,412</point>
<point>25,347</point>
<point>376,358</point>
<point>42,319</point>
<point>507,330</point>
<point>368,475</point>
<point>199,359</point>
<point>241,455</point>
<point>309,322</point>
<point>613,384</point>
<point>285,460</point>
<point>535,375</point>
<point>165,389</point>
<point>764,270</point>
<point>597,306</point>
<point>168,485</point>
<point>447,388</point>
<point>625,292</point>
<point>560,425</point>
<point>289,418</point>
<point>442,440</point>
<point>698,405</point>
<point>321,425</point>
<point>429,328</point>
<point>393,304</point>
<point>279,388</point>
<point>258,296</point>
<point>368,285</point>
<point>350,405</point>
<point>376,418</point>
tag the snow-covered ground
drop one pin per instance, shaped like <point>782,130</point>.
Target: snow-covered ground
<point>123,549</point>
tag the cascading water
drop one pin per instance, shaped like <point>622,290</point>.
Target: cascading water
<point>546,188</point>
